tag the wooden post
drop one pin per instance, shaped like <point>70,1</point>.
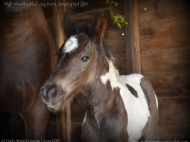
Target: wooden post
<point>68,122</point>
<point>132,37</point>
<point>64,122</point>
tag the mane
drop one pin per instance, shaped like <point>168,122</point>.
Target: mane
<point>108,53</point>
<point>111,63</point>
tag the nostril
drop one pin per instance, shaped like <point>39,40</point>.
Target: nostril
<point>53,92</point>
<point>43,92</point>
<point>49,91</point>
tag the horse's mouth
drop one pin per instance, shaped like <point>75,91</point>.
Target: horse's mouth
<point>52,109</point>
<point>54,106</point>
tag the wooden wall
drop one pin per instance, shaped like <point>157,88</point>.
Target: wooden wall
<point>165,59</point>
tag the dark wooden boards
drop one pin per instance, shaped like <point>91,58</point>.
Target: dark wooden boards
<point>162,11</point>
<point>174,119</point>
<point>165,59</point>
<point>132,37</point>
<point>165,35</point>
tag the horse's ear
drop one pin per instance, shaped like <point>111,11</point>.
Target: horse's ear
<point>99,29</point>
<point>69,25</point>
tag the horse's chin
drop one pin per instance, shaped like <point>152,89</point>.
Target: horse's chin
<point>53,109</point>
<point>53,106</point>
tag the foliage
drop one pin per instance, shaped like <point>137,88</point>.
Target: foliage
<point>117,19</point>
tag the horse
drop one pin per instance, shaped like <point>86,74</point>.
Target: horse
<point>27,57</point>
<point>118,108</point>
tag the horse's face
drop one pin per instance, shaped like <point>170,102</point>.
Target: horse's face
<point>79,59</point>
<point>76,67</point>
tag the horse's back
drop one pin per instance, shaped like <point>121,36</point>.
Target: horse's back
<point>141,105</point>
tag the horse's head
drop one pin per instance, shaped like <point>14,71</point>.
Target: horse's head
<point>82,59</point>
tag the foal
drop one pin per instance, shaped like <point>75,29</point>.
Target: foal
<point>118,108</point>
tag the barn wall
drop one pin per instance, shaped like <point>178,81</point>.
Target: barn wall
<point>165,59</point>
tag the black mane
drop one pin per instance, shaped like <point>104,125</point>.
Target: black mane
<point>73,28</point>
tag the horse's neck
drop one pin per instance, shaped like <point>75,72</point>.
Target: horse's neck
<point>18,28</point>
<point>102,99</point>
<point>12,27</point>
<point>10,20</point>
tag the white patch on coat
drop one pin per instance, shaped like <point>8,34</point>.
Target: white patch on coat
<point>71,44</point>
<point>156,100</point>
<point>136,108</point>
<point>84,120</point>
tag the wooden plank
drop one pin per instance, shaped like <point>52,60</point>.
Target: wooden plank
<point>92,7</point>
<point>90,17</point>
<point>175,127</point>
<point>162,11</point>
<point>132,37</point>
<point>76,132</point>
<point>115,39</point>
<point>174,132</point>
<point>173,94</point>
<point>89,5</point>
<point>166,60</point>
<point>120,62</point>
<point>174,111</point>
<point>180,82</point>
<point>165,35</point>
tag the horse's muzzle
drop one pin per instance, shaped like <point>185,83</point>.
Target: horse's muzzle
<point>48,91</point>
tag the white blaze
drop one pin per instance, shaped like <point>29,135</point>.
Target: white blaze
<point>136,108</point>
<point>71,44</point>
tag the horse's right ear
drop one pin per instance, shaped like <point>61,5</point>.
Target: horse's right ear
<point>99,29</point>
<point>69,25</point>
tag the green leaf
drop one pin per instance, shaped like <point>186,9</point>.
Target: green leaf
<point>119,25</point>
<point>119,20</point>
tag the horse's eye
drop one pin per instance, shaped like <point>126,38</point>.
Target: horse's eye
<point>85,58</point>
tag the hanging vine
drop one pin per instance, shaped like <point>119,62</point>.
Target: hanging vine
<point>117,19</point>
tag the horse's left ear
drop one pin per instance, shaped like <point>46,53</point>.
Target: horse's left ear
<point>99,29</point>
